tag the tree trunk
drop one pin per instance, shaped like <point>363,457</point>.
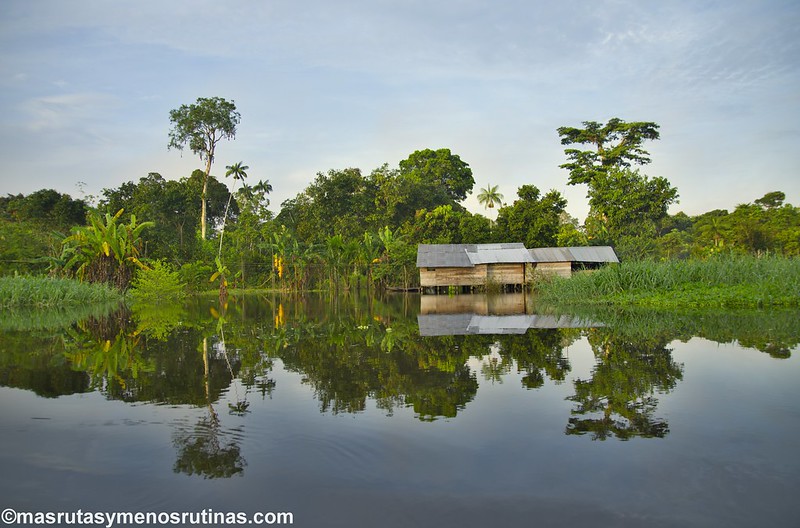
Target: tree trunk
<point>203,198</point>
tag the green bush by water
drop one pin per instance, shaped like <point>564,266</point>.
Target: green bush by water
<point>157,284</point>
<point>735,281</point>
<point>47,292</point>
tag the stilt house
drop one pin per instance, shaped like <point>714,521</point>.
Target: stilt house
<point>502,265</point>
<point>442,265</point>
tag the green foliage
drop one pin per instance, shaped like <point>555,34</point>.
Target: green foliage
<point>174,207</point>
<point>628,204</point>
<point>157,284</point>
<point>105,250</point>
<point>447,225</point>
<point>46,208</point>
<point>24,246</point>
<point>490,197</point>
<point>443,170</point>
<point>46,292</point>
<point>732,281</point>
<point>533,219</point>
<point>201,126</point>
<point>195,275</point>
<point>615,145</point>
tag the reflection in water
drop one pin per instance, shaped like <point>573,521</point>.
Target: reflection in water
<point>618,401</point>
<point>394,351</point>
<point>208,450</point>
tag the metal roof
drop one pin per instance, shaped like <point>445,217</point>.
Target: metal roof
<point>469,255</point>
<point>574,254</point>
<point>553,254</point>
<point>443,256</point>
<point>499,253</point>
<point>594,254</point>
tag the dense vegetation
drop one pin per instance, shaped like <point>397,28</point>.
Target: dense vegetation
<point>349,229</point>
<point>723,281</point>
<point>47,292</point>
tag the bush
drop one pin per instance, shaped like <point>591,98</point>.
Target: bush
<point>159,283</point>
<point>196,275</point>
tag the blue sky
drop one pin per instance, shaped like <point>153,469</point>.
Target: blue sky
<point>86,88</point>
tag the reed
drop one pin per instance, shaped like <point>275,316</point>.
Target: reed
<point>730,281</point>
<point>47,292</point>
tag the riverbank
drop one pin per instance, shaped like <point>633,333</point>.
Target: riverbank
<point>729,282</point>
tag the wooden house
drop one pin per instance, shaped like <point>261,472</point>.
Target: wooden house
<point>472,265</point>
<point>505,266</point>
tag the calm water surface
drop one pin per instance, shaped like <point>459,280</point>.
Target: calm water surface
<point>341,412</point>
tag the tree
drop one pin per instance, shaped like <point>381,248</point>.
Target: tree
<point>489,197</point>
<point>617,145</point>
<point>629,203</point>
<point>239,172</point>
<point>441,169</point>
<point>201,126</point>
<point>533,219</point>
<point>771,200</point>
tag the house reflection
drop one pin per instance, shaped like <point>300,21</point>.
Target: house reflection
<point>506,313</point>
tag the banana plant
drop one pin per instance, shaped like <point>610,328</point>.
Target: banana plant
<point>105,250</point>
<point>220,275</point>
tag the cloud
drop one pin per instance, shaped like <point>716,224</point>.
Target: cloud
<point>77,111</point>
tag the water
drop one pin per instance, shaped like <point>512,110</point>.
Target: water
<point>340,412</point>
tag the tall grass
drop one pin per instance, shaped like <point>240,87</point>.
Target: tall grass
<point>46,292</point>
<point>729,281</point>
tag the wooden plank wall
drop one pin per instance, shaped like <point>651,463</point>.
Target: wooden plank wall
<point>507,273</point>
<point>475,276</point>
<point>562,269</point>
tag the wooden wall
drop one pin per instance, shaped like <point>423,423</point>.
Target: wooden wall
<point>475,276</point>
<point>562,269</point>
<point>479,275</point>
<point>506,273</point>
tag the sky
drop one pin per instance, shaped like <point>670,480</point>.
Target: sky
<point>86,87</point>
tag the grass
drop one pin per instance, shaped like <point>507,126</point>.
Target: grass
<point>729,282</point>
<point>46,292</point>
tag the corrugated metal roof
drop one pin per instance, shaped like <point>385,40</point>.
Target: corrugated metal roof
<point>574,254</point>
<point>469,255</point>
<point>594,254</point>
<point>553,254</point>
<point>499,253</point>
<point>443,256</point>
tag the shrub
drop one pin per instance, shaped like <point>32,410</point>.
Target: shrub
<point>159,283</point>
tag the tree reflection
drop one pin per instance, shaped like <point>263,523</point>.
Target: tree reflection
<point>207,450</point>
<point>618,401</point>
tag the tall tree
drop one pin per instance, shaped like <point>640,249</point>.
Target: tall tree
<point>615,145</point>
<point>239,172</point>
<point>489,197</point>
<point>201,126</point>
<point>445,171</point>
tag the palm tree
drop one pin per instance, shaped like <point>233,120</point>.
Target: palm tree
<point>489,196</point>
<point>239,172</point>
